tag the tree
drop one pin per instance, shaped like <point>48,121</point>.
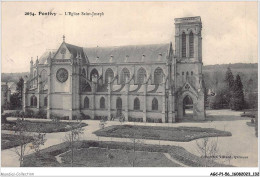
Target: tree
<point>21,131</point>
<point>15,101</point>
<point>17,97</point>
<point>103,122</point>
<point>208,149</point>
<point>19,87</point>
<point>251,97</point>
<point>229,79</point>
<point>72,137</point>
<point>219,100</point>
<point>38,140</point>
<point>132,136</point>
<point>237,99</point>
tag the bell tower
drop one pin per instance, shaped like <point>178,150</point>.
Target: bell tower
<point>188,56</point>
<point>188,41</point>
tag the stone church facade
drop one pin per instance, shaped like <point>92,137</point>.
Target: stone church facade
<point>146,82</point>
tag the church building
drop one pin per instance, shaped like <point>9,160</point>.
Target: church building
<point>157,82</point>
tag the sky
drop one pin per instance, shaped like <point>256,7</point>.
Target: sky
<point>230,29</point>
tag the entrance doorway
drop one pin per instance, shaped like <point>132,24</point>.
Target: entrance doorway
<point>187,106</point>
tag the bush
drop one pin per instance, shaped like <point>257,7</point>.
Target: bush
<point>56,118</point>
<point>3,118</point>
<point>132,119</point>
<point>84,116</point>
<point>252,121</point>
<point>154,120</point>
<point>28,113</point>
<point>100,118</point>
<point>41,114</point>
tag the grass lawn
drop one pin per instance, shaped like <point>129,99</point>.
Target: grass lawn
<point>116,154</point>
<point>9,141</point>
<point>99,157</point>
<point>43,127</point>
<point>181,134</point>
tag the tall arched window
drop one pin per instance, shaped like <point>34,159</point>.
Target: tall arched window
<point>44,75</point>
<point>124,74</point>
<point>35,101</point>
<point>158,76</point>
<point>46,101</point>
<point>84,72</point>
<point>109,74</point>
<point>141,76</point>
<point>32,99</point>
<point>187,73</point>
<point>183,42</point>
<point>136,104</point>
<point>155,104</point>
<point>94,72</point>
<point>191,73</point>
<point>118,103</point>
<point>102,103</point>
<point>191,44</point>
<point>86,102</point>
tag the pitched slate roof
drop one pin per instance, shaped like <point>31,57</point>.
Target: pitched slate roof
<point>74,50</point>
<point>45,55</point>
<point>122,54</point>
<point>128,54</point>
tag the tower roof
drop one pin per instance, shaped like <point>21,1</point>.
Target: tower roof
<point>196,19</point>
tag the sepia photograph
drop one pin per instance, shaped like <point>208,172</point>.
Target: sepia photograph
<point>129,84</point>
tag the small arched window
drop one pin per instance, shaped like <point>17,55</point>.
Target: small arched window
<point>187,73</point>
<point>124,75</point>
<point>191,44</point>
<point>86,102</point>
<point>183,40</point>
<point>109,74</point>
<point>94,72</point>
<point>191,73</point>
<point>33,101</point>
<point>102,103</point>
<point>158,76</point>
<point>155,104</point>
<point>136,104</point>
<point>183,73</point>
<point>118,103</point>
<point>141,76</point>
<point>46,101</point>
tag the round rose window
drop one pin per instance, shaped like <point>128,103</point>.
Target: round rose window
<point>62,75</point>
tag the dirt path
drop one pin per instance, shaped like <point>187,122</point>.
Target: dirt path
<point>242,136</point>
<point>168,156</point>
